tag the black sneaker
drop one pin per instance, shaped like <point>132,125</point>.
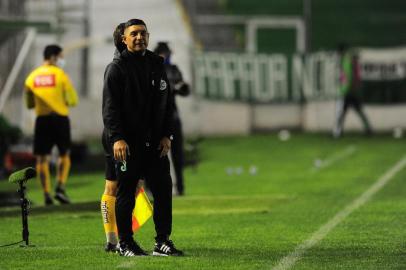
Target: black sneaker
<point>60,195</point>
<point>131,249</point>
<point>166,248</point>
<point>48,200</point>
<point>109,247</point>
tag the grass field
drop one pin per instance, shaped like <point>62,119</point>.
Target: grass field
<point>240,221</point>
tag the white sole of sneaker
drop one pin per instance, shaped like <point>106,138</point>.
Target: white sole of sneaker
<point>159,254</point>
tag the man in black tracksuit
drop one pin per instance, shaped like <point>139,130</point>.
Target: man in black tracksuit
<point>180,88</point>
<point>138,126</point>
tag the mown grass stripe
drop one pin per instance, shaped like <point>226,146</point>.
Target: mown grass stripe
<point>288,261</point>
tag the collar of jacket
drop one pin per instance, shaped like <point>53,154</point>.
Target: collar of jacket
<point>132,55</point>
<point>156,59</point>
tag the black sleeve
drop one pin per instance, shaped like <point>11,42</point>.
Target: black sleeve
<point>183,88</point>
<point>112,98</point>
<point>168,123</point>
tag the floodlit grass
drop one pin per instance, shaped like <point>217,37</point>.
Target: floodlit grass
<point>238,221</point>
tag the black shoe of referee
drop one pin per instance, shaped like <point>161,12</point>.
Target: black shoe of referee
<point>60,195</point>
<point>166,248</point>
<point>131,249</point>
<point>48,199</point>
<point>109,247</point>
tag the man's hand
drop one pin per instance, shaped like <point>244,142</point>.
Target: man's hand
<point>120,150</point>
<point>165,146</point>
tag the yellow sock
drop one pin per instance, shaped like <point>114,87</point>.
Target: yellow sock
<point>108,211</point>
<point>44,176</point>
<point>63,169</point>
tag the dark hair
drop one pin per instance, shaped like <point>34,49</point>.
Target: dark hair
<point>162,48</point>
<point>118,37</point>
<point>52,50</point>
<point>131,22</point>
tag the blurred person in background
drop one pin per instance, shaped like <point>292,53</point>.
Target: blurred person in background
<point>179,87</point>
<point>138,126</point>
<point>49,90</point>
<point>350,87</point>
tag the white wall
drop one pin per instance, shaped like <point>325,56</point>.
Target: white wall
<point>226,118</point>
<point>320,116</point>
<point>277,116</point>
<point>219,118</point>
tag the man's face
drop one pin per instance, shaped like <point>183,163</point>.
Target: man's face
<point>57,60</point>
<point>136,38</point>
<point>60,60</point>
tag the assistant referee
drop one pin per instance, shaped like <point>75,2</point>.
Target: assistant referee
<point>49,90</point>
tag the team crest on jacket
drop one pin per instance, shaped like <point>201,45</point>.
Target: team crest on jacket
<point>162,85</point>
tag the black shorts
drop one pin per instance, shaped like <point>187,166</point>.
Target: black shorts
<point>110,164</point>
<point>51,130</point>
<point>351,100</point>
<point>110,168</point>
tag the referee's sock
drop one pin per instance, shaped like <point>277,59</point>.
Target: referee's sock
<point>44,176</point>
<point>64,164</point>
<point>108,211</point>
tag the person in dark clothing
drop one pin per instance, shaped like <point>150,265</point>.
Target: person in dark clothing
<point>179,87</point>
<point>350,84</point>
<point>108,200</point>
<point>138,128</point>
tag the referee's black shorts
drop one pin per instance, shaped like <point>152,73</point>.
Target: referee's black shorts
<point>52,130</point>
<point>110,164</point>
<point>110,168</point>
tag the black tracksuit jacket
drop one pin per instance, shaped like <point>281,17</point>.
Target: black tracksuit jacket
<point>137,115</point>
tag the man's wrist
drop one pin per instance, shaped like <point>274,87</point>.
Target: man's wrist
<point>116,138</point>
<point>168,136</point>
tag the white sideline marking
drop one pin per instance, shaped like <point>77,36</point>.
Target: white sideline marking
<point>289,260</point>
<point>348,151</point>
<point>127,264</point>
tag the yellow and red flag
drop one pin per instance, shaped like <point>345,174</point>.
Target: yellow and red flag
<point>142,210</point>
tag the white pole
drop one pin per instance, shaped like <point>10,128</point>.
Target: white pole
<point>8,86</point>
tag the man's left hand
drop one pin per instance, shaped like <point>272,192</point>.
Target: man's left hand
<point>165,146</point>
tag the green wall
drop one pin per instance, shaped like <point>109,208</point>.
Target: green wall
<point>372,23</point>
